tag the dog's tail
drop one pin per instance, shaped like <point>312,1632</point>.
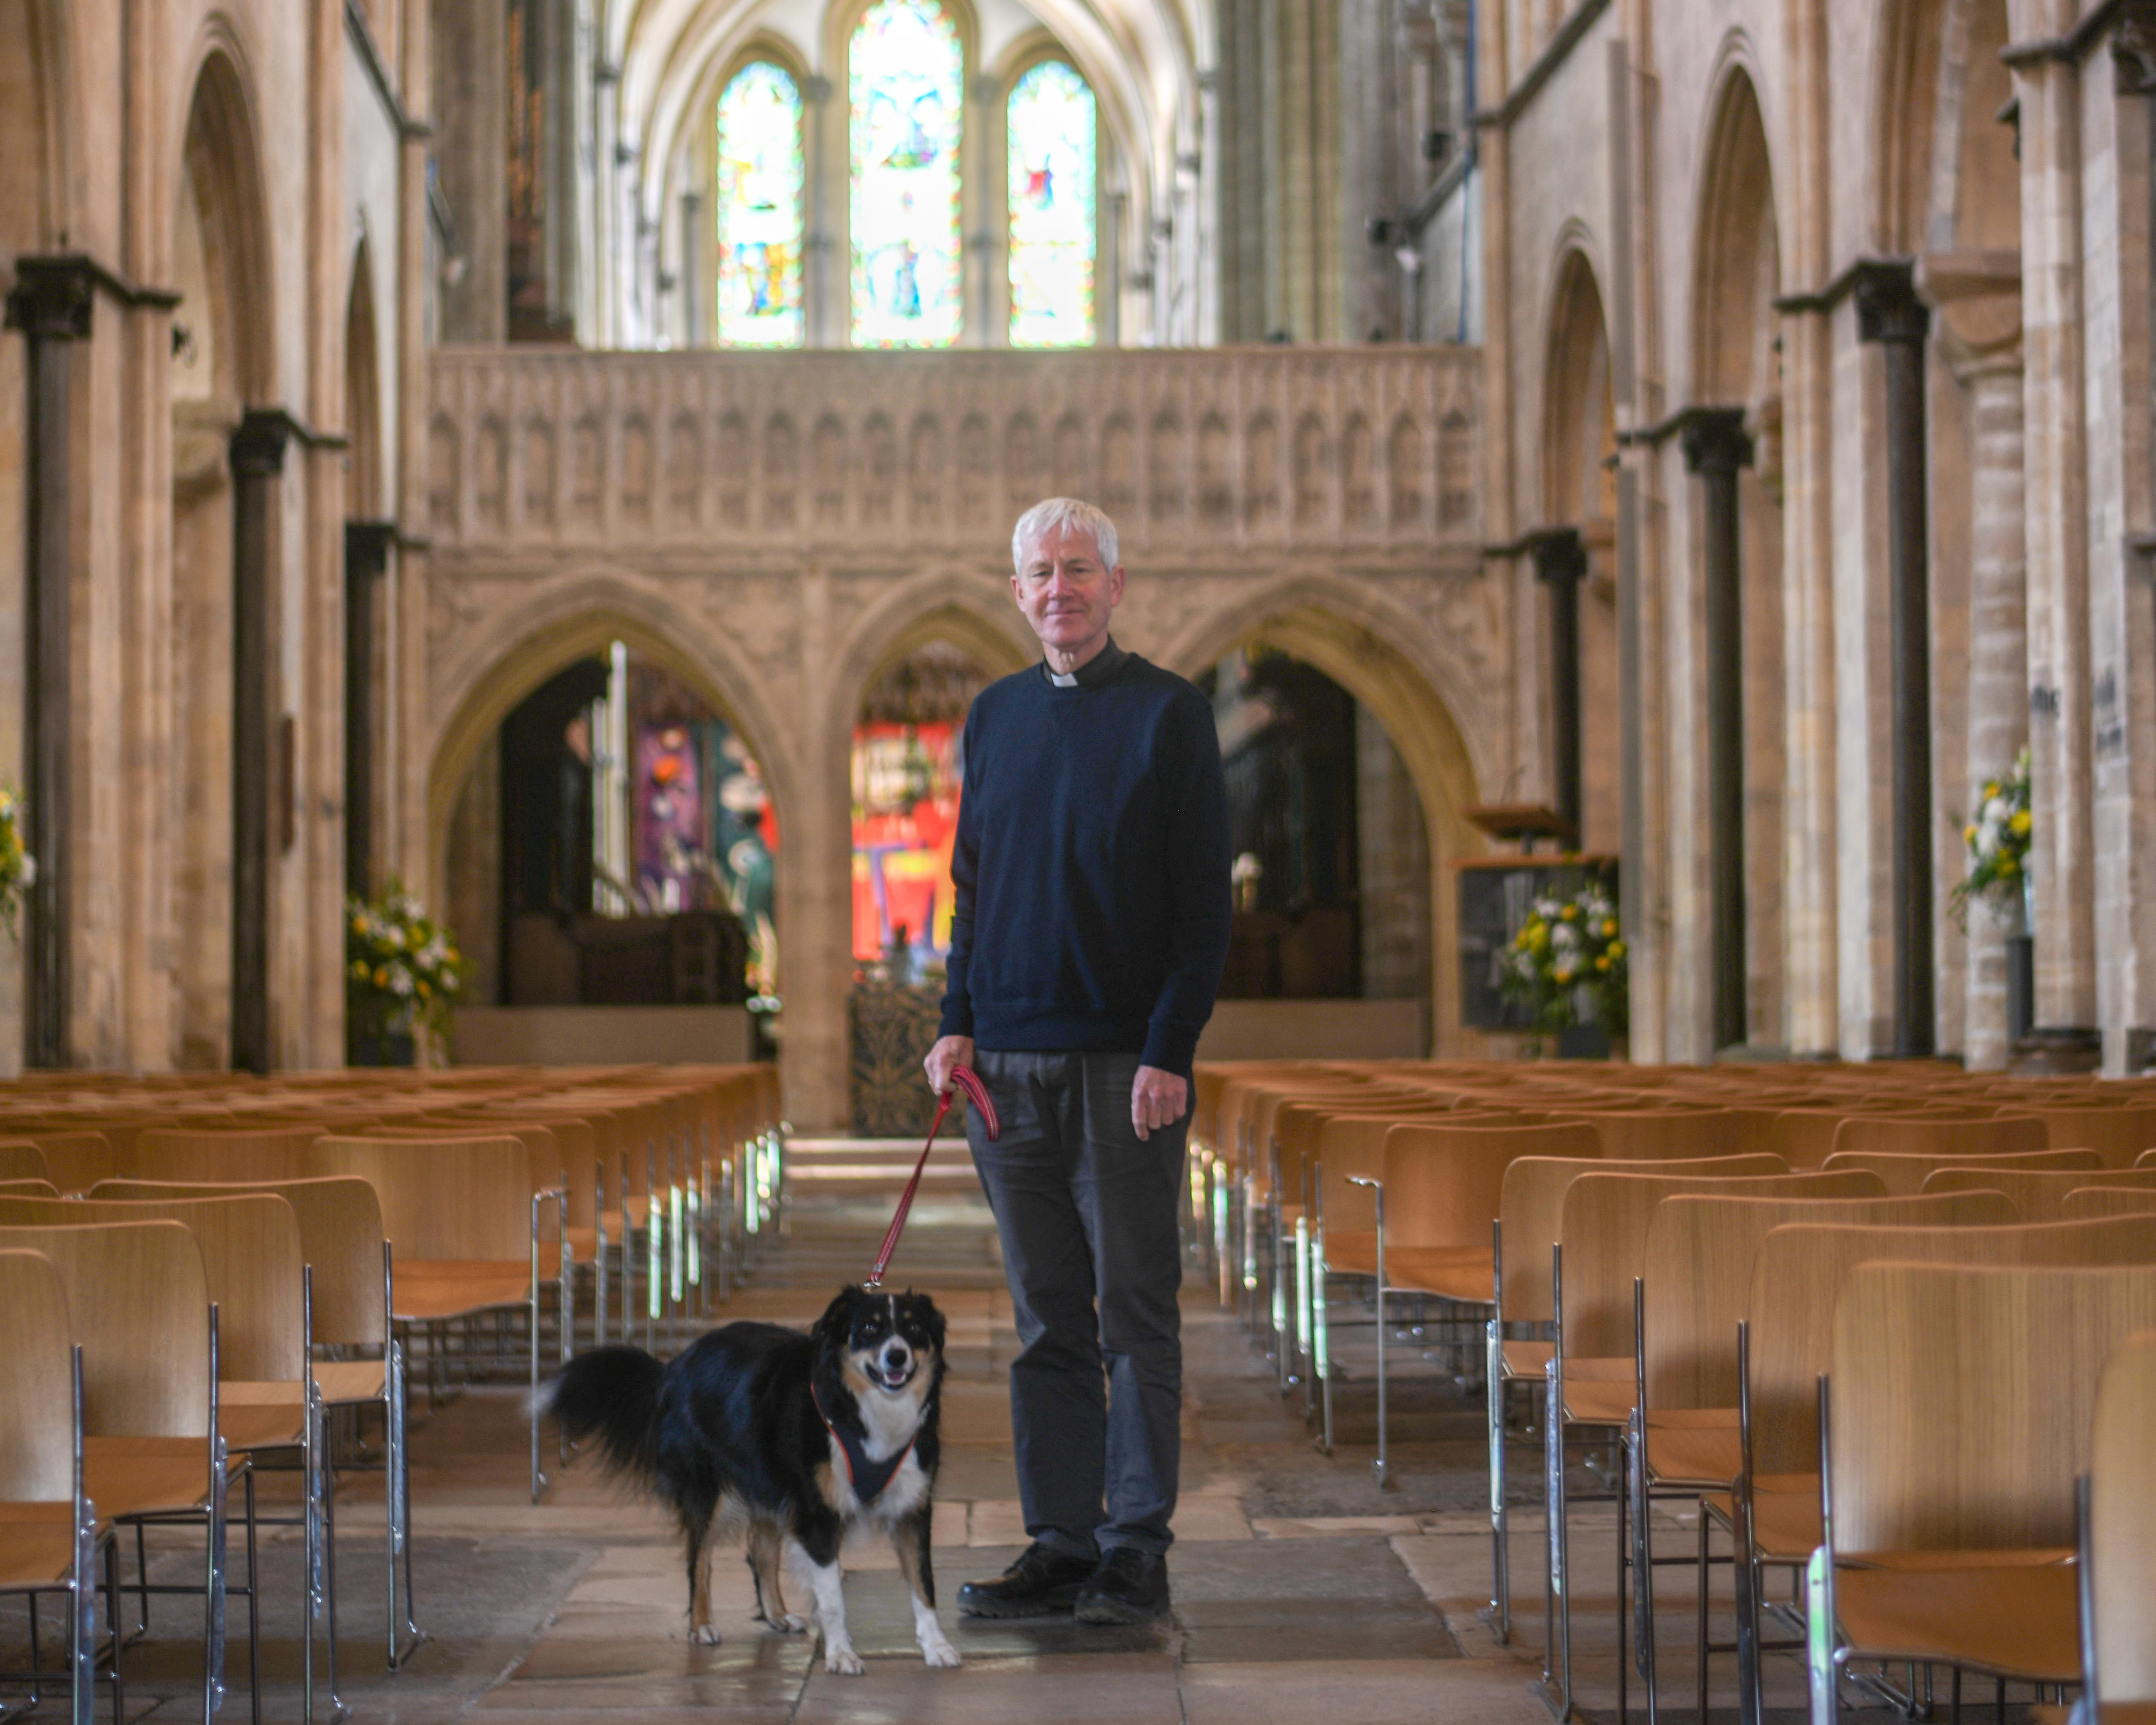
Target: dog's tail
<point>611,1394</point>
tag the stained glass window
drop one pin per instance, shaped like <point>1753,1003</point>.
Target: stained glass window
<point>1051,123</point>
<point>905,75</point>
<point>759,214</point>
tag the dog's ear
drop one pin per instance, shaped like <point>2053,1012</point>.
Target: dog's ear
<point>831,1329</point>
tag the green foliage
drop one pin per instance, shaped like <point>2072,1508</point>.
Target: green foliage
<point>399,964</point>
<point>1997,840</point>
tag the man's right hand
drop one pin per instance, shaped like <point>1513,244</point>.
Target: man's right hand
<point>949,1052</point>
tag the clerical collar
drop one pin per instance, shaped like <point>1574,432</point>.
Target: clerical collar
<point>1096,670</point>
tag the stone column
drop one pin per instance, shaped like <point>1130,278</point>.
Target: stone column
<point>1889,313</point>
<point>1978,305</point>
<point>258,458</point>
<point>51,307</point>
<point>365,560</point>
<point>1561,565</point>
<point>1715,448</point>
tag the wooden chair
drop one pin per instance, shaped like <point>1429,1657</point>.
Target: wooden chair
<point>1664,1134</point>
<point>2092,1201</point>
<point>350,1273</point>
<point>464,1219</point>
<point>2118,1135</point>
<point>28,1189</point>
<point>2039,1194</point>
<point>21,1159</point>
<point>1530,1204</point>
<point>1591,1378</point>
<point>1948,1505</point>
<point>49,1539</point>
<point>1913,1135</point>
<point>1905,1172</point>
<point>75,1161</point>
<point>1685,1437</point>
<point>2118,1538</point>
<point>152,1452</point>
<point>259,1282</point>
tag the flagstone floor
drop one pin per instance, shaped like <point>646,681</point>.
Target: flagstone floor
<point>1303,1593</point>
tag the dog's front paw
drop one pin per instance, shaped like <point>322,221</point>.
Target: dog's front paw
<point>704,1635</point>
<point>790,1623</point>
<point>842,1662</point>
<point>940,1655</point>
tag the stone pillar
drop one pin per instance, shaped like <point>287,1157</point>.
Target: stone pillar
<point>1561,565</point>
<point>1889,313</point>
<point>365,560</point>
<point>1715,448</point>
<point>258,458</point>
<point>826,281</point>
<point>51,307</point>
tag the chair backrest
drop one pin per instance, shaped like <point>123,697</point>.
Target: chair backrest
<point>28,1189</point>
<point>1915,1135</point>
<point>140,1308</point>
<point>75,1161</point>
<point>1936,1445</point>
<point>1664,1134</point>
<point>2088,1202</point>
<point>2122,1523</point>
<point>341,1238</point>
<point>2118,1135</point>
<point>2039,1193</point>
<point>462,1198</point>
<point>1698,1274</point>
<point>1905,1173</point>
<point>21,1159</point>
<point>272,1153</point>
<point>1797,1275</point>
<point>1531,1202</point>
<point>37,1382</point>
<point>1602,1227</point>
<point>251,1265</point>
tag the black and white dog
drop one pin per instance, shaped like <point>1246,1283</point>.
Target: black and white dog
<point>799,1438</point>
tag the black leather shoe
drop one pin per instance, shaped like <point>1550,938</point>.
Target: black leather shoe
<point>1043,1582</point>
<point>1129,1587</point>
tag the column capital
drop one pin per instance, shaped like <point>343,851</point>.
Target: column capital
<point>1887,306</point>
<point>2133,48</point>
<point>1714,439</point>
<point>367,548</point>
<point>258,446</point>
<point>52,298</point>
<point>1559,554</point>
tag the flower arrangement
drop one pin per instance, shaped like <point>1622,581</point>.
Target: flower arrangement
<point>18,868</point>
<point>401,966</point>
<point>1997,840</point>
<point>1567,962</point>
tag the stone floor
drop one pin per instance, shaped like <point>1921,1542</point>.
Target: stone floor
<point>1302,1589</point>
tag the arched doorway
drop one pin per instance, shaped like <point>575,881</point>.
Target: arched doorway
<point>219,366</point>
<point>1412,778</point>
<point>1737,366</point>
<point>1580,491</point>
<point>609,837</point>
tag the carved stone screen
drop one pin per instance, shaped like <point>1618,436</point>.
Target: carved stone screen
<point>759,209</point>
<point>905,78</point>
<point>1051,185</point>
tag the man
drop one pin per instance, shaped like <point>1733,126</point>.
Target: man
<point>1089,932</point>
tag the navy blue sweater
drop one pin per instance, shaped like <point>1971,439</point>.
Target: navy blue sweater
<point>1091,865</point>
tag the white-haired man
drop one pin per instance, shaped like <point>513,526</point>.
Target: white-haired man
<point>1090,933</point>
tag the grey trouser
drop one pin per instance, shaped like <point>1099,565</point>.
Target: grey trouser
<point>1087,1214</point>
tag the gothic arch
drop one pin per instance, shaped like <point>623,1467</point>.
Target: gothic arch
<point>1579,425</point>
<point>220,163</point>
<point>527,651</point>
<point>1364,656</point>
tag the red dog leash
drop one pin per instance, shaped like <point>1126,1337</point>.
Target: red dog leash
<point>969,1081</point>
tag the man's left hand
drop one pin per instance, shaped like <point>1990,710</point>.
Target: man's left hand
<point>1157,1099</point>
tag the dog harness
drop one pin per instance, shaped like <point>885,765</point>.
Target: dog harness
<point>867,1477</point>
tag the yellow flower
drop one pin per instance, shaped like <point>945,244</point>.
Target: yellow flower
<point>381,976</point>
<point>1616,949</point>
<point>359,925</point>
<point>423,991</point>
<point>1603,962</point>
<point>1990,788</point>
<point>1609,928</point>
<point>1563,977</point>
<point>1541,937</point>
<point>1570,913</point>
<point>2008,867</point>
<point>359,970</point>
<point>1969,833</point>
<point>2019,822</point>
<point>452,957</point>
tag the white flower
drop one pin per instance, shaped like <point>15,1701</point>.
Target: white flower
<point>1995,811</point>
<point>29,876</point>
<point>400,980</point>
